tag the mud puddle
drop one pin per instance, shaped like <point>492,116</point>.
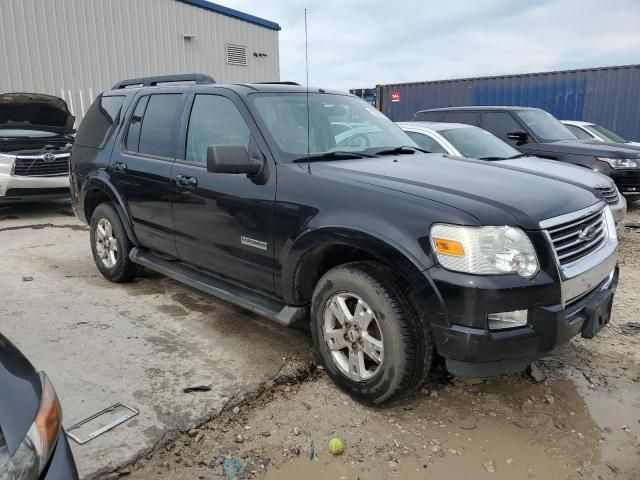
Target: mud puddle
<point>616,411</point>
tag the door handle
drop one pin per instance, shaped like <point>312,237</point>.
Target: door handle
<point>185,181</point>
<point>119,166</point>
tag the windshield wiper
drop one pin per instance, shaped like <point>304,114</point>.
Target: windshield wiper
<point>494,158</point>
<point>519,155</point>
<point>405,149</point>
<point>332,156</point>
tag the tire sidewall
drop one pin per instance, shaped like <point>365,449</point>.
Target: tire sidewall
<point>107,212</point>
<point>377,389</point>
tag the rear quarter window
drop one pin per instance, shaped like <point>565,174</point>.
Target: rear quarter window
<point>100,120</point>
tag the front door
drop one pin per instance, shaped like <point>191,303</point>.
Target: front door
<point>141,168</point>
<point>224,223</point>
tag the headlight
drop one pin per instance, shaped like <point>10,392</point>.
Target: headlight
<point>620,162</point>
<point>484,250</point>
<point>6,159</point>
<point>32,456</point>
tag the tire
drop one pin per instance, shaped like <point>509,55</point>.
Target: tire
<point>110,245</point>
<point>373,291</point>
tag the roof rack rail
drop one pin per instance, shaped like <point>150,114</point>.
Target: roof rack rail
<point>276,83</point>
<point>198,78</point>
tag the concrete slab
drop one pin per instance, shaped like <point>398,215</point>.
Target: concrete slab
<point>139,343</point>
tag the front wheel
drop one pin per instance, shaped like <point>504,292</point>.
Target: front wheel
<point>367,333</point>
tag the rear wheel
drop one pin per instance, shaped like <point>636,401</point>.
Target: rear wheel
<point>368,334</point>
<point>111,246</point>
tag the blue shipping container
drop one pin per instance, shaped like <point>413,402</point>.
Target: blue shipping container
<point>608,96</point>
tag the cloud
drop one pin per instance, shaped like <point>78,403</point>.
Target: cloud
<point>364,43</point>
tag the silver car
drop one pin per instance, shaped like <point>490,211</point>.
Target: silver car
<point>473,142</point>
<point>593,131</point>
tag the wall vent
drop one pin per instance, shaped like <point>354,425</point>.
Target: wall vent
<point>236,54</point>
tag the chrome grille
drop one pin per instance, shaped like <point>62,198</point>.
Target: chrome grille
<point>577,238</point>
<point>610,194</point>
<point>38,167</point>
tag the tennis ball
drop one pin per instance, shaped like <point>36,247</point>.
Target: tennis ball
<point>336,446</point>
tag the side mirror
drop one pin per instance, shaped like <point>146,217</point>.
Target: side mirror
<point>518,135</point>
<point>231,159</point>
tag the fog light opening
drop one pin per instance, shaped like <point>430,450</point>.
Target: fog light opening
<point>506,320</point>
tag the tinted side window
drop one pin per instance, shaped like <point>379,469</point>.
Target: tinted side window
<point>157,134</point>
<point>579,132</point>
<point>135,123</point>
<point>214,120</point>
<point>426,142</point>
<point>500,124</point>
<point>469,118</point>
<point>99,121</point>
<point>429,116</point>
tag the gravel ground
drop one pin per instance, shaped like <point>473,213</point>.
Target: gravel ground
<point>576,417</point>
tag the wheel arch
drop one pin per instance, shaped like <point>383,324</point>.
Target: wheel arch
<point>96,191</point>
<point>320,250</point>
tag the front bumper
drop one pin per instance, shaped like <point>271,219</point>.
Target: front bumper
<point>561,305</point>
<point>20,189</point>
<point>61,465</point>
<point>627,180</point>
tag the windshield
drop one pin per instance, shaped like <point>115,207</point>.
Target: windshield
<point>545,126</point>
<point>337,123</point>
<point>607,134</point>
<point>18,133</point>
<point>473,142</point>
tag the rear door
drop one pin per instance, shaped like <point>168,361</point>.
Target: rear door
<point>463,116</point>
<point>141,167</point>
<point>224,223</point>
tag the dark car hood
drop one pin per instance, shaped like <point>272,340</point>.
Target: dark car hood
<point>492,194</point>
<point>560,170</point>
<point>583,147</point>
<point>630,146</point>
<point>35,111</point>
<point>20,392</point>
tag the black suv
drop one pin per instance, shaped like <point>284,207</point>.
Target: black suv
<point>536,132</point>
<point>250,192</point>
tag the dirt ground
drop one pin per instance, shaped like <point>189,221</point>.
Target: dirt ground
<point>577,416</point>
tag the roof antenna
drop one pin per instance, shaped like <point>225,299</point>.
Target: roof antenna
<point>306,66</point>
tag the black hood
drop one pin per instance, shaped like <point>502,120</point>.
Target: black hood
<point>35,111</point>
<point>494,195</point>
<point>584,147</point>
<point>629,146</point>
<point>20,393</point>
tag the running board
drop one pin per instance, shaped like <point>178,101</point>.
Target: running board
<point>278,312</point>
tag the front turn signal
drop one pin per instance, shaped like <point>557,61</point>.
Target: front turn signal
<point>449,247</point>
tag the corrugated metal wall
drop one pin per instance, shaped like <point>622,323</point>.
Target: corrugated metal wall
<point>608,96</point>
<point>77,48</point>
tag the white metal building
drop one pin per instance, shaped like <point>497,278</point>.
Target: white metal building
<point>75,49</point>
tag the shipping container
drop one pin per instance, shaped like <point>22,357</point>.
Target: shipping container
<point>608,96</point>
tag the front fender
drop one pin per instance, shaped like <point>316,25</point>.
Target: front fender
<point>407,265</point>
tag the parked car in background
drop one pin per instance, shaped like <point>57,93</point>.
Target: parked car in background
<point>33,445</point>
<point>536,132</point>
<point>245,192</point>
<point>593,131</point>
<point>35,144</point>
<point>472,142</point>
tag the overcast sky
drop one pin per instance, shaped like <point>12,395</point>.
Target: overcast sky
<point>362,43</point>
